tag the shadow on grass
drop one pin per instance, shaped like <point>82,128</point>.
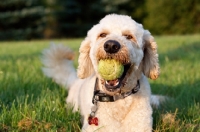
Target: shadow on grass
<point>181,111</point>
<point>187,51</point>
<point>26,95</point>
<point>20,77</point>
<point>183,108</point>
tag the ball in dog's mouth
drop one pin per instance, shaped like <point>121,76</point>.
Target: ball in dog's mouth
<point>110,69</point>
<point>114,85</point>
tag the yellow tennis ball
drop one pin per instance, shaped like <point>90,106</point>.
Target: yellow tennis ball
<point>110,69</point>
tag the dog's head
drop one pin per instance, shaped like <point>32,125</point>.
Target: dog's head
<point>120,38</point>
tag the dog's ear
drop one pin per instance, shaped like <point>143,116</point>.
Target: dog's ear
<point>85,67</point>
<point>150,60</point>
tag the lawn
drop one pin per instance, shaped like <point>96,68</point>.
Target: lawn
<point>31,102</point>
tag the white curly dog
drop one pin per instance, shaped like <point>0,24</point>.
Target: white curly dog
<point>119,105</point>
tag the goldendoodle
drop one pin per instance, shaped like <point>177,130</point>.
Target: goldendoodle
<point>119,105</point>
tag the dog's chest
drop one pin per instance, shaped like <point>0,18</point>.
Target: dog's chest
<point>117,110</point>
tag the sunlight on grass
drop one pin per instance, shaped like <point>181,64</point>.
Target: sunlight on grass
<point>31,102</point>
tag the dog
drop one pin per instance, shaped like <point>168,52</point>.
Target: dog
<point>119,105</point>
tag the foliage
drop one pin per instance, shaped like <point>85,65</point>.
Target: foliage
<point>29,101</point>
<point>21,19</point>
<point>134,8</point>
<point>173,16</point>
<point>29,19</point>
<point>74,17</point>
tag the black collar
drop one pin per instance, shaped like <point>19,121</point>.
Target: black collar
<point>102,97</point>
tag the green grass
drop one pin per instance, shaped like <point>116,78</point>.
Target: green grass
<point>31,102</point>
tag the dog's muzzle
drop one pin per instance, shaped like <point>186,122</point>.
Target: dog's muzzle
<point>114,50</point>
<point>112,46</point>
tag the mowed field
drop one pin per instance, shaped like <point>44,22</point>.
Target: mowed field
<point>31,102</point>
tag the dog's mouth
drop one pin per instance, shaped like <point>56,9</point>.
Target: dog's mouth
<point>116,84</point>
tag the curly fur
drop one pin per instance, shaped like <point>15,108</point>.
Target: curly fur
<point>131,114</point>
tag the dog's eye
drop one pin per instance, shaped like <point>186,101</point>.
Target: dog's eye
<point>103,35</point>
<point>128,36</point>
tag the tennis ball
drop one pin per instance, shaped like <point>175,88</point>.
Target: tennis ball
<point>110,69</point>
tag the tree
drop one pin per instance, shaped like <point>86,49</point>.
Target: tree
<point>21,19</point>
<point>173,16</point>
<point>134,8</point>
<point>73,18</point>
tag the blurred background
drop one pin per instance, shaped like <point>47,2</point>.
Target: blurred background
<point>46,19</point>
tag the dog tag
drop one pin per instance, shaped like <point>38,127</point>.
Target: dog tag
<point>93,120</point>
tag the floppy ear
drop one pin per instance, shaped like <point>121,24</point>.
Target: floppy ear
<point>85,67</point>
<point>150,60</point>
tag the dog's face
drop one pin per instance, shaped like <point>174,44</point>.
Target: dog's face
<point>121,38</point>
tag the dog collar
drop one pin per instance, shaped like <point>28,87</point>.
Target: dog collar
<point>103,97</point>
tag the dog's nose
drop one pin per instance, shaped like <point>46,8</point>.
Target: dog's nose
<point>111,46</point>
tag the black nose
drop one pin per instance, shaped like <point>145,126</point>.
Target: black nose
<point>111,46</point>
